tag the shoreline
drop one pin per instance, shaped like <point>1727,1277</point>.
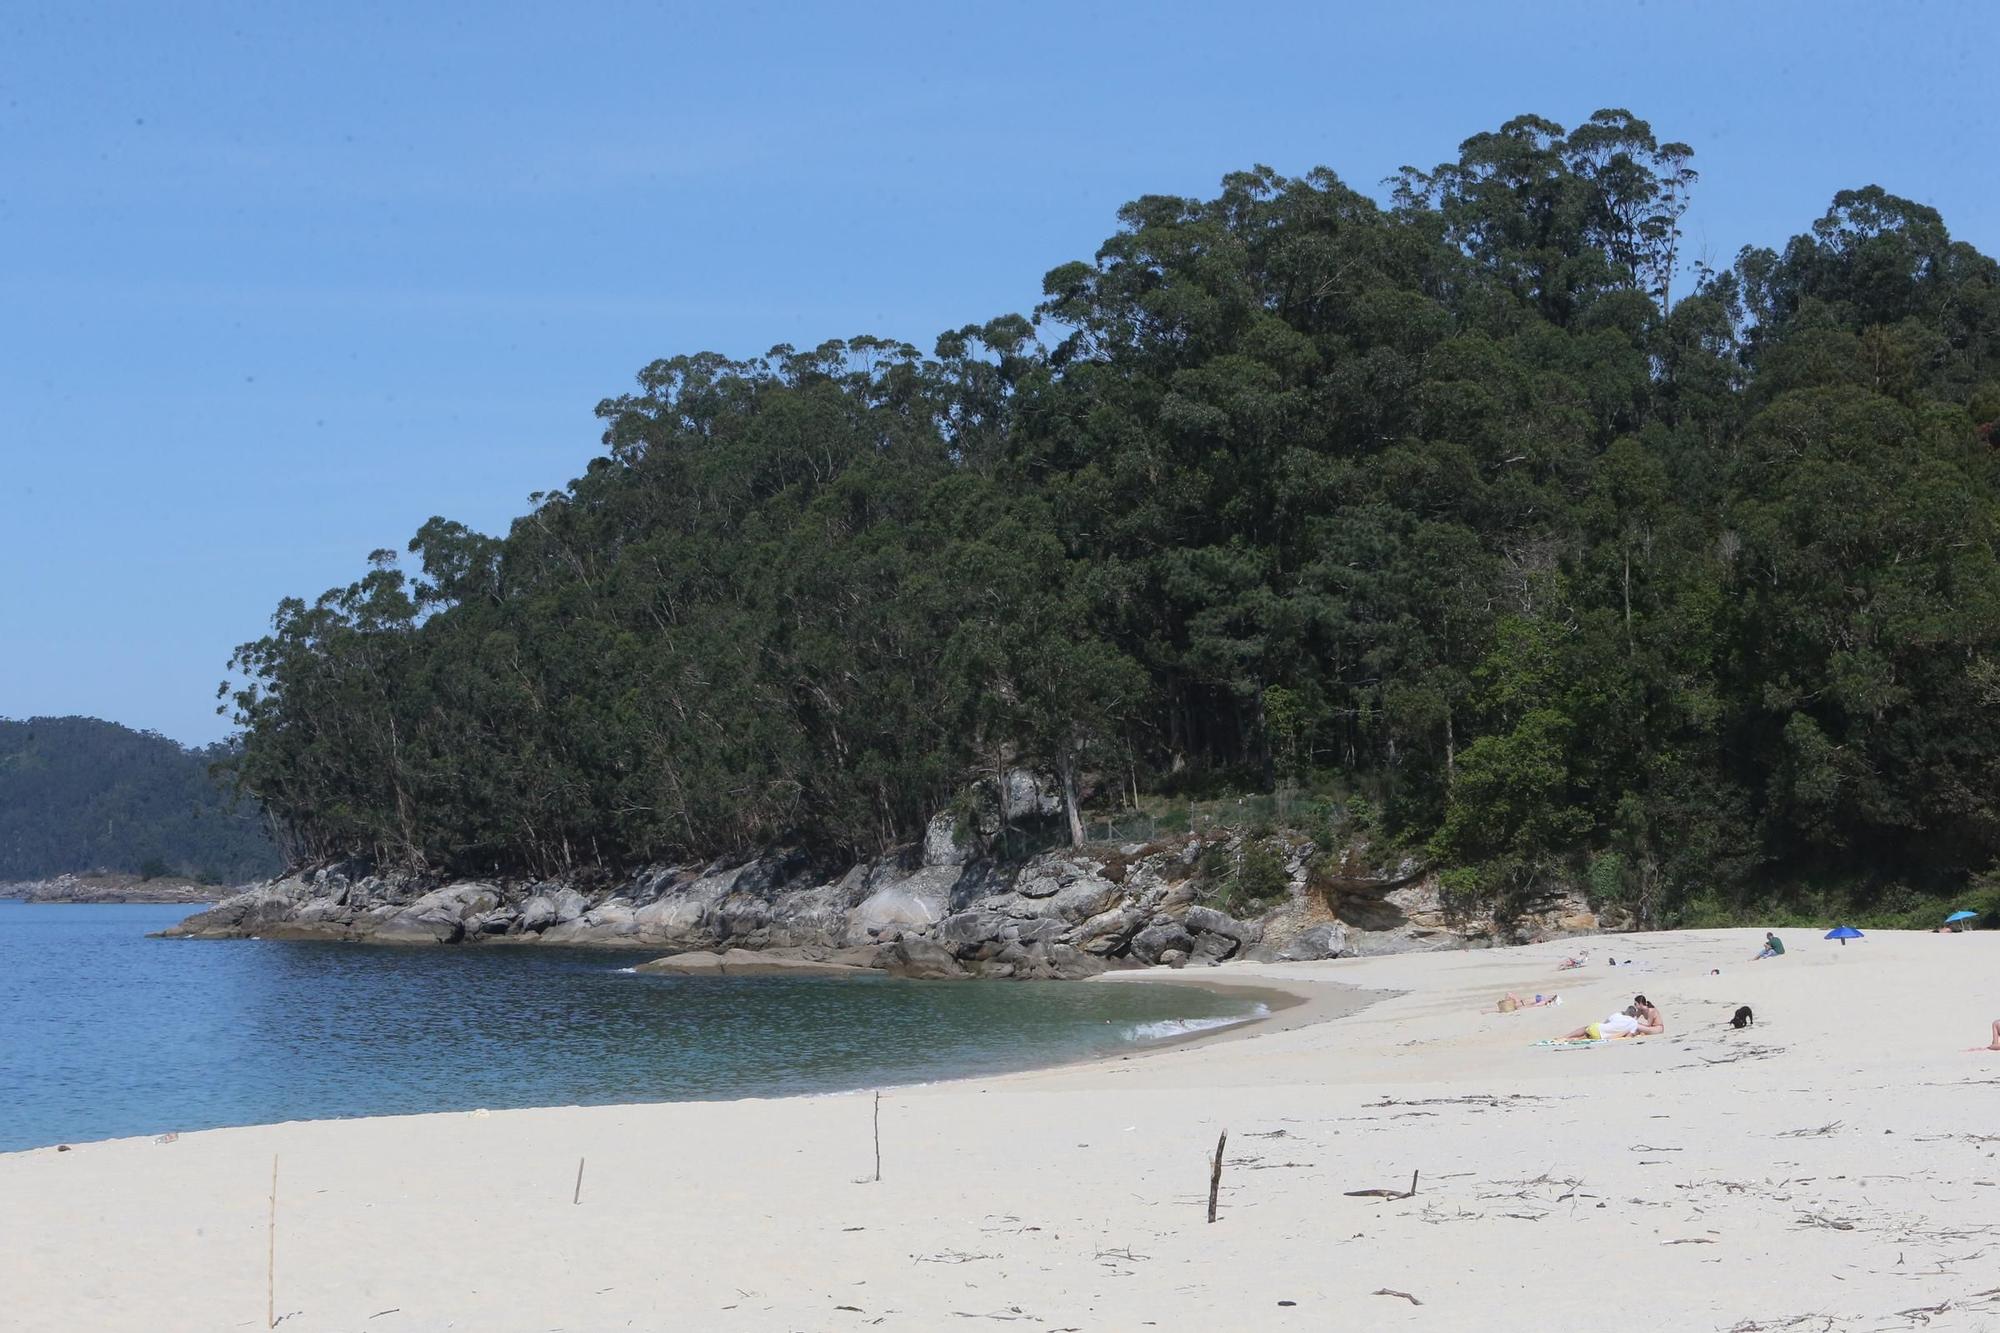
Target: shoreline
<point>1286,1007</point>
<point>1288,1004</point>
<point>1707,1178</point>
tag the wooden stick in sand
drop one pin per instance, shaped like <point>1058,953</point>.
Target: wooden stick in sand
<point>271,1258</point>
<point>1409,1193</point>
<point>577,1197</point>
<point>1215,1174</point>
<point>878,1135</point>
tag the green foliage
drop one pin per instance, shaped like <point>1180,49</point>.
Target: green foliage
<point>1462,890</point>
<point>78,794</point>
<point>1470,500</point>
<point>1360,818</point>
<point>1607,875</point>
<point>1821,906</point>
<point>1244,881</point>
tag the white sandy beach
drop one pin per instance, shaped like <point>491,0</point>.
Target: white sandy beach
<point>1832,1168</point>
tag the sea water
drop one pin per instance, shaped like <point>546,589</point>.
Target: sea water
<point>105,1032</point>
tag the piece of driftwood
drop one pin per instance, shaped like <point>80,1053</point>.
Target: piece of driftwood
<point>1409,1193</point>
<point>1385,1291</point>
<point>878,1135</point>
<point>271,1257</point>
<point>577,1195</point>
<point>1215,1174</point>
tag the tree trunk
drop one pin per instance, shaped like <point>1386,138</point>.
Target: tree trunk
<point>1628,597</point>
<point>1068,766</point>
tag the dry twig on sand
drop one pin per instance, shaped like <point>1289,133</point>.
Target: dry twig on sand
<point>1831,1127</point>
<point>271,1268</point>
<point>1483,1100</point>
<point>1921,1314</point>
<point>1824,1220</point>
<point>1385,1291</point>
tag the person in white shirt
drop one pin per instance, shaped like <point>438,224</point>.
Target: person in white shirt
<point>1625,1023</point>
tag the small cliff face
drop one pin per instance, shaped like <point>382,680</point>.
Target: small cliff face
<point>935,912</point>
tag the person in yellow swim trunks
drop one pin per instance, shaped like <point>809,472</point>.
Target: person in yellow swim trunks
<point>1625,1023</point>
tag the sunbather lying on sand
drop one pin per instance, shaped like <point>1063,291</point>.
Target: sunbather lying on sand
<point>1628,1022</point>
<point>1568,963</point>
<point>1510,1002</point>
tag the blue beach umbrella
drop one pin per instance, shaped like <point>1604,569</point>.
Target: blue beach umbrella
<point>1960,916</point>
<point>1843,934</point>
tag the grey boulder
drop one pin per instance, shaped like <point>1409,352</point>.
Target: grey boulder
<point>1156,939</point>
<point>924,960</point>
<point>1206,920</point>
<point>1328,940</point>
<point>977,934</point>
<point>439,917</point>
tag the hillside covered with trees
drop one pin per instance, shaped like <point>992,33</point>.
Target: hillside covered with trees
<point>78,794</point>
<point>1575,560</point>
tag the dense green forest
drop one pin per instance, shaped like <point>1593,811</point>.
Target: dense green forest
<point>77,794</point>
<point>1567,558</point>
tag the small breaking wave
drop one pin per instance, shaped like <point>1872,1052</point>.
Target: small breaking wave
<point>1166,1029</point>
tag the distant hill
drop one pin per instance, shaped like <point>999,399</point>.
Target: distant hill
<point>80,794</point>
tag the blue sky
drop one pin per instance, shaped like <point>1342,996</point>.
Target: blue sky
<point>278,282</point>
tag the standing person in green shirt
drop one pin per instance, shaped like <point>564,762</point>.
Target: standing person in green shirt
<point>1773,947</point>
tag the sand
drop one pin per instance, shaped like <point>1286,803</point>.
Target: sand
<point>1831,1168</point>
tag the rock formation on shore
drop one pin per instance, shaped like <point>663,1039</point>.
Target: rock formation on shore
<point>935,911</point>
<point>112,889</point>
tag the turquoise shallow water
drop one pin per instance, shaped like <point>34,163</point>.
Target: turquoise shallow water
<point>106,1033</point>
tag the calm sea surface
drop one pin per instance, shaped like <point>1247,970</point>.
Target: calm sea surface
<point>105,1033</point>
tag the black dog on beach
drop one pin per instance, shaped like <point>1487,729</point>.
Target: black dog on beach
<point>1743,1019</point>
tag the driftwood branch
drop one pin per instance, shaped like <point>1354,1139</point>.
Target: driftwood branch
<point>577,1196</point>
<point>1409,1193</point>
<point>271,1258</point>
<point>1215,1174</point>
<point>1385,1291</point>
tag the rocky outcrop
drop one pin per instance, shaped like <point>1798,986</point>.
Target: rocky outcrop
<point>752,963</point>
<point>447,916</point>
<point>1326,940</point>
<point>921,959</point>
<point>108,888</point>
<point>934,911</point>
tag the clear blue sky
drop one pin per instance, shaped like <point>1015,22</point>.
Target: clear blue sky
<point>278,282</point>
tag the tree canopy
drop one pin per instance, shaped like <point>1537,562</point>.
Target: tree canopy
<point>1455,498</point>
